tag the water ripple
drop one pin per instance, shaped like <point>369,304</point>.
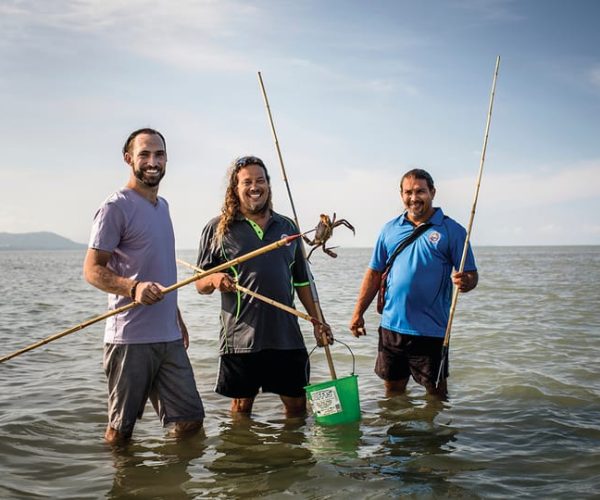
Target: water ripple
<point>522,420</point>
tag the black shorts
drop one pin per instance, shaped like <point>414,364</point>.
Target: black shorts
<point>282,372</point>
<point>400,356</point>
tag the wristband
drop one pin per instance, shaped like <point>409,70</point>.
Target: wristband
<point>133,289</point>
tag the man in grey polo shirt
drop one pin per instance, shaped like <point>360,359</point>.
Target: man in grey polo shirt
<point>131,256</point>
<point>261,347</point>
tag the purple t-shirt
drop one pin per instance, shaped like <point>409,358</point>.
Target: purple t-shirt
<point>140,236</point>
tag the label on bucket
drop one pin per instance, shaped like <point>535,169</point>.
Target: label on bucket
<point>325,402</point>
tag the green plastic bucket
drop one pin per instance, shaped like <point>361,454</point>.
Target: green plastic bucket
<point>335,401</point>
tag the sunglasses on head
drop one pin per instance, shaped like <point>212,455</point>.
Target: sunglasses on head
<point>244,161</point>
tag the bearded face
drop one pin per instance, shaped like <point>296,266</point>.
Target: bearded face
<point>253,190</point>
<point>148,159</point>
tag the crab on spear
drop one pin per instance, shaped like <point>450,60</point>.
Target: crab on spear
<point>323,232</point>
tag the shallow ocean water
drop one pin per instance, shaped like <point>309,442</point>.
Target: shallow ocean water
<point>522,420</point>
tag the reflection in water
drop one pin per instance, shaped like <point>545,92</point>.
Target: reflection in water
<point>402,444</point>
<point>254,458</point>
<point>414,431</point>
<point>160,471</point>
<point>335,443</point>
<point>502,421</point>
<point>412,444</point>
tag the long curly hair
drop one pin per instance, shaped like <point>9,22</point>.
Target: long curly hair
<point>231,205</point>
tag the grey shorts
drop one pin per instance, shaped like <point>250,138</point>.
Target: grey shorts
<point>159,371</point>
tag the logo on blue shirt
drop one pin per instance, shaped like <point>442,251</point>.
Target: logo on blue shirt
<point>434,237</point>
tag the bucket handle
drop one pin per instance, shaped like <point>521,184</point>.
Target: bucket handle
<point>336,341</point>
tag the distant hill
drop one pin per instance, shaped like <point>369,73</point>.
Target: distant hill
<point>37,241</point>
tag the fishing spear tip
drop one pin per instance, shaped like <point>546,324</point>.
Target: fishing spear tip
<point>292,237</point>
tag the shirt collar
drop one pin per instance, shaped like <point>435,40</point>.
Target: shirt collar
<point>436,219</point>
<point>275,217</point>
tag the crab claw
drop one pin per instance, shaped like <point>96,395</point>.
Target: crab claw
<point>329,252</point>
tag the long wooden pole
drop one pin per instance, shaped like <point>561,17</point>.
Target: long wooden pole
<point>313,287</point>
<point>469,227</point>
<point>261,297</point>
<point>131,305</point>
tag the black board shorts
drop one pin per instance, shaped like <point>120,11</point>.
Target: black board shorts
<point>400,355</point>
<point>283,372</point>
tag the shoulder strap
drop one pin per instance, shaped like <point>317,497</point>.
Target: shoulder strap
<point>418,231</point>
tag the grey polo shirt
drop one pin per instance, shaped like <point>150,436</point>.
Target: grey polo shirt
<point>247,324</point>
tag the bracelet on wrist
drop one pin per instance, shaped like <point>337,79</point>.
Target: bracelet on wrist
<point>133,289</point>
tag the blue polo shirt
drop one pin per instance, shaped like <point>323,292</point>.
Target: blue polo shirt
<point>419,285</point>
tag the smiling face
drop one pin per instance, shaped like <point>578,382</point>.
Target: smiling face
<point>253,190</point>
<point>147,157</point>
<point>417,198</point>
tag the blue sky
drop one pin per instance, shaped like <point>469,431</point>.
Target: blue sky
<point>360,91</point>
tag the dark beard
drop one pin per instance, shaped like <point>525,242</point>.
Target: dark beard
<point>261,210</point>
<point>268,205</point>
<point>140,175</point>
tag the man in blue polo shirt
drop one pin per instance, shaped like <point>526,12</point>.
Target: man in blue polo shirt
<point>418,291</point>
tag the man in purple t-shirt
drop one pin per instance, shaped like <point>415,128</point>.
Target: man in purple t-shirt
<point>131,256</point>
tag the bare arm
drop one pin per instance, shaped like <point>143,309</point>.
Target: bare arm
<point>217,281</point>
<point>368,291</point>
<point>184,331</point>
<point>322,332</point>
<point>97,274</point>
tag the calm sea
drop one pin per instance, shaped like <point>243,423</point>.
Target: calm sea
<point>523,418</point>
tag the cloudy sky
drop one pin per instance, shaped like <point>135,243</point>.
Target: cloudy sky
<point>360,91</point>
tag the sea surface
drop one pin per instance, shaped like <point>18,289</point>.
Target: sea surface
<point>522,419</point>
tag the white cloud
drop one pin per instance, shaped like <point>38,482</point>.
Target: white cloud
<point>532,186</point>
<point>190,34</point>
<point>208,35</point>
<point>534,207</point>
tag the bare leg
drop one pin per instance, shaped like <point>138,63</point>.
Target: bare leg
<point>294,407</point>
<point>178,429</point>
<point>441,391</point>
<point>185,428</point>
<point>114,437</point>
<point>242,406</point>
<point>395,387</point>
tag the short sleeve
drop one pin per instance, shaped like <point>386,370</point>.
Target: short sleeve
<point>379,256</point>
<point>300,267</point>
<point>107,228</point>
<point>457,244</point>
<point>208,255</point>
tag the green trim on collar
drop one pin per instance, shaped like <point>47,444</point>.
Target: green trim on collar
<point>257,229</point>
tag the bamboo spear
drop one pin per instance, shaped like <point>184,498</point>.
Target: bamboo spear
<point>466,246</point>
<point>131,305</point>
<point>264,298</point>
<point>313,287</point>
